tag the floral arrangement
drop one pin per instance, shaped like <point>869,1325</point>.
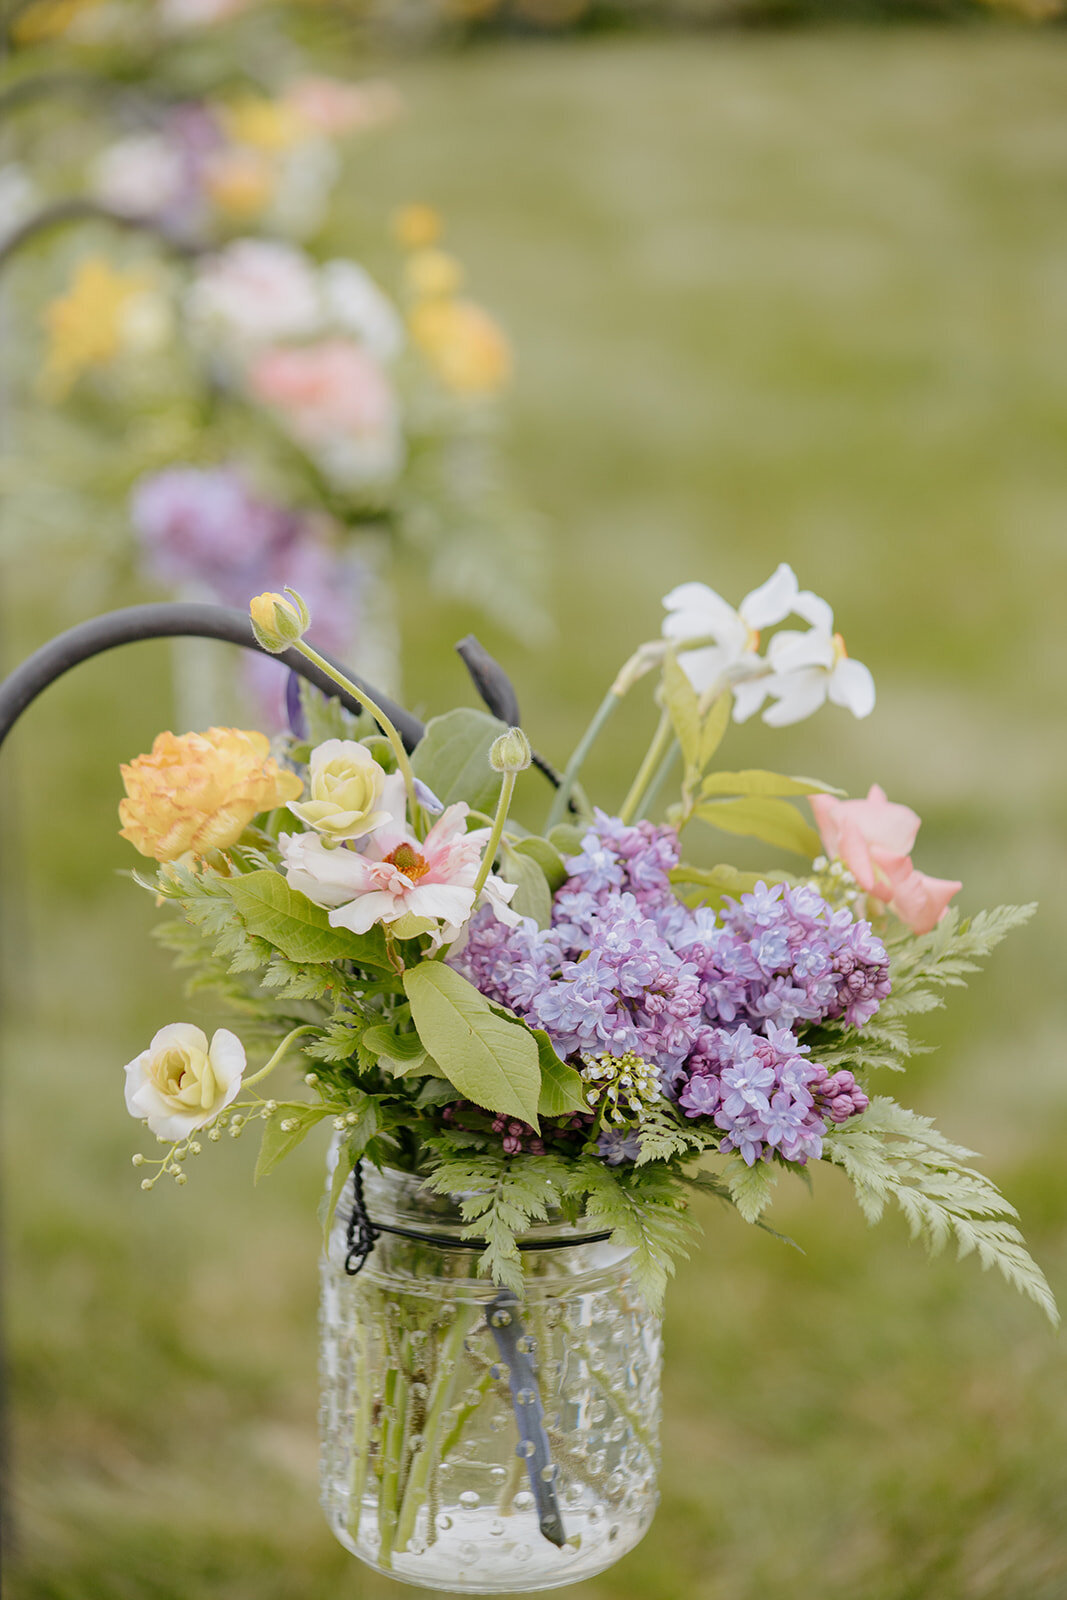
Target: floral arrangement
<point>579,1018</point>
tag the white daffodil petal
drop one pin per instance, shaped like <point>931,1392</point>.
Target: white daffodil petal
<point>695,612</point>
<point>749,695</point>
<point>790,651</point>
<point>704,668</point>
<point>814,610</point>
<point>796,696</point>
<point>852,686</point>
<point>772,601</point>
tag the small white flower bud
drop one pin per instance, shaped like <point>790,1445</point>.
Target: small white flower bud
<point>511,752</point>
<point>180,1178</point>
<point>137,1161</point>
<point>311,1079</point>
<point>146,1183</point>
<point>289,1124</point>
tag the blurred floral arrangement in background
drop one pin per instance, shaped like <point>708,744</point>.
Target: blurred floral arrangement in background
<point>243,403</point>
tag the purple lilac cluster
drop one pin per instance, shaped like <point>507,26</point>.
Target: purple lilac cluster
<point>205,529</point>
<point>713,1004</point>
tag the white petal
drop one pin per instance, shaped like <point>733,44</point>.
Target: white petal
<point>178,1036</point>
<point>228,1059</point>
<point>697,612</point>
<point>797,696</point>
<point>749,695</point>
<point>789,651</point>
<point>814,610</point>
<point>851,685</point>
<point>328,876</point>
<point>444,900</point>
<point>772,601</point>
<point>704,668</point>
<point>359,916</point>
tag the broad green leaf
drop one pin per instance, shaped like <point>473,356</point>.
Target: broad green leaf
<point>532,897</point>
<point>547,857</point>
<point>754,781</point>
<point>491,1062</point>
<point>385,1041</point>
<point>452,757</point>
<point>774,821</point>
<point>283,1132</point>
<point>567,837</point>
<point>346,1160</point>
<point>294,925</point>
<point>562,1091</point>
<point>683,706</point>
<point>716,722</point>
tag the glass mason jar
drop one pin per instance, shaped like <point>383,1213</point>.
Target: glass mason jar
<point>473,1440</point>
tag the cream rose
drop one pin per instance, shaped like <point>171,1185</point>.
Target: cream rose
<point>181,1083</point>
<point>346,788</point>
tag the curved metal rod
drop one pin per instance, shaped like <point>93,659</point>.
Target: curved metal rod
<point>168,621</point>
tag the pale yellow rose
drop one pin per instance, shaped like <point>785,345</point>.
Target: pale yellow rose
<point>346,787</point>
<point>181,1083</point>
<point>198,792</point>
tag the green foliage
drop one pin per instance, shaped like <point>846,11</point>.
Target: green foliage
<point>491,1061</point>
<point>452,757</point>
<point>533,897</point>
<point>547,857</point>
<point>562,1091</point>
<point>754,781</point>
<point>751,1188</point>
<point>772,821</point>
<point>289,921</point>
<point>892,1153</point>
<point>712,886</point>
<point>698,728</point>
<point>283,1131</point>
<point>500,1198</point>
<point>327,718</point>
<point>566,837</point>
<point>664,1134</point>
<point>646,1211</point>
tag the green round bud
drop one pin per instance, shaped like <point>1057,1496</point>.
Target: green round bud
<point>511,752</point>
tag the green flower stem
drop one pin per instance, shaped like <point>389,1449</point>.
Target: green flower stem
<point>577,760</point>
<point>661,741</point>
<point>507,789</point>
<point>402,762</point>
<point>516,1472</point>
<point>360,1440</point>
<point>395,1402</point>
<point>279,1053</point>
<point>604,1384</point>
<point>662,774</point>
<point>463,1416</point>
<point>417,1492</point>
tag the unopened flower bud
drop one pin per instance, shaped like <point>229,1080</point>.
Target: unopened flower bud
<point>277,622</point>
<point>511,752</point>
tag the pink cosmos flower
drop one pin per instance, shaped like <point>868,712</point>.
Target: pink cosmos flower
<point>874,839</point>
<point>393,878</point>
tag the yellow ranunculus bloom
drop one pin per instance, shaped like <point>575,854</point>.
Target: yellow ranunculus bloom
<point>199,791</point>
<point>47,19</point>
<point>463,344</point>
<point>87,326</point>
<point>240,182</point>
<point>417,227</point>
<point>346,785</point>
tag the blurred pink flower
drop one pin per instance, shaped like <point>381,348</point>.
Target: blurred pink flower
<point>336,400</point>
<point>256,291</point>
<point>874,838</point>
<point>329,105</point>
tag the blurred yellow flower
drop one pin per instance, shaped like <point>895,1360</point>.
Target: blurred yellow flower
<point>88,326</point>
<point>416,227</point>
<point>199,791</point>
<point>240,182</point>
<point>429,273</point>
<point>465,347</point>
<point>264,124</point>
<point>47,19</point>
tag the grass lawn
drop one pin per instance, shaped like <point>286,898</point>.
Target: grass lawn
<point>774,297</point>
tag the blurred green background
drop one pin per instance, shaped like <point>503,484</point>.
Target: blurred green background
<point>774,297</point>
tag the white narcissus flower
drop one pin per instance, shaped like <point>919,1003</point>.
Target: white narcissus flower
<point>807,669</point>
<point>356,304</point>
<point>696,612</point>
<point>181,1083</point>
<point>257,291</point>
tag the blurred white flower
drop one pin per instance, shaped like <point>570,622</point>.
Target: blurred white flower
<point>18,196</point>
<point>356,304</point>
<point>257,291</point>
<point>181,1083</point>
<point>141,175</point>
<point>696,612</point>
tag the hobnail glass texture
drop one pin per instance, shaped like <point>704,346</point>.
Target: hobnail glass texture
<point>459,1422</point>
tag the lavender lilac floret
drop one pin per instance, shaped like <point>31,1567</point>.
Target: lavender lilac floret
<point>712,1005</point>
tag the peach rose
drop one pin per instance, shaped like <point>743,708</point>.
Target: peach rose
<point>327,389</point>
<point>198,792</point>
<point>463,345</point>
